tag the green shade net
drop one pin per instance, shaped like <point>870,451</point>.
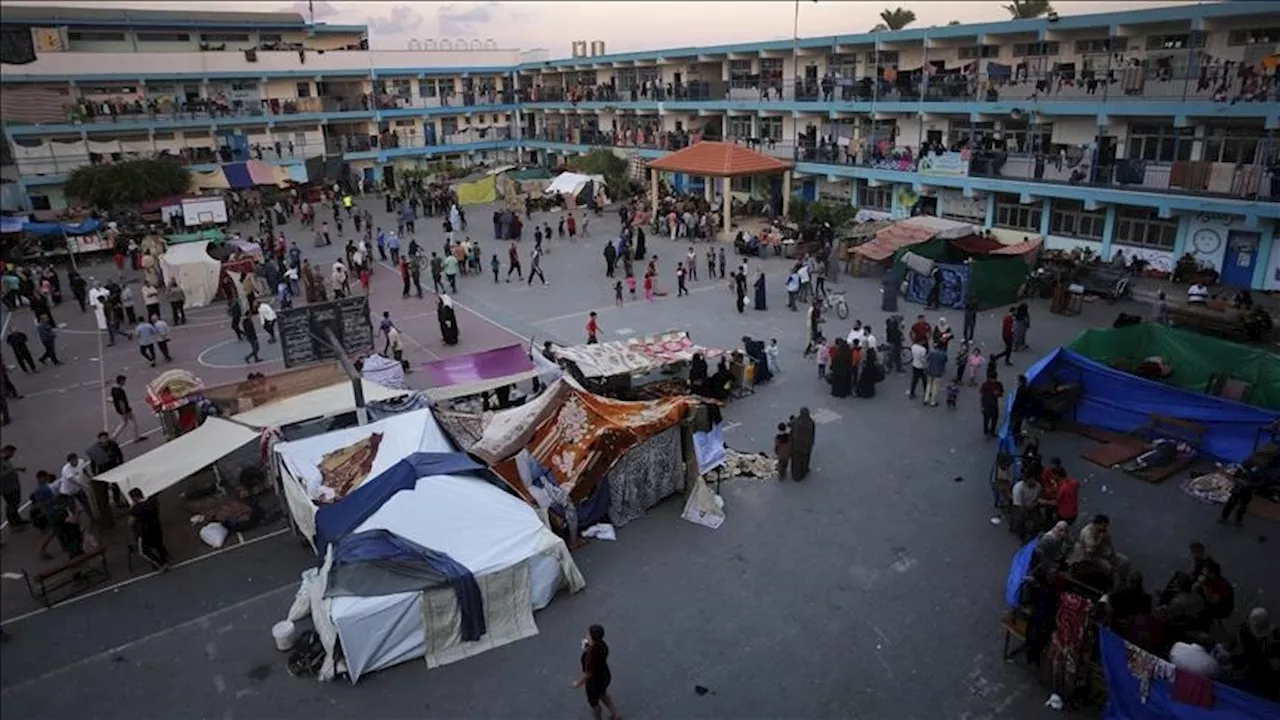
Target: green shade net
<point>212,235</point>
<point>529,174</point>
<point>1195,358</point>
<point>993,279</point>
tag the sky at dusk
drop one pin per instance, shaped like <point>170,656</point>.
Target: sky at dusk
<point>623,26</point>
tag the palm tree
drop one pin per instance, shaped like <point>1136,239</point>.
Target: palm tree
<point>894,19</point>
<point>1027,9</point>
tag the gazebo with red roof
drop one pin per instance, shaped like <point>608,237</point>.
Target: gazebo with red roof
<point>725,160</point>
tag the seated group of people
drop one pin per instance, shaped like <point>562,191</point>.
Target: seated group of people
<point>1186,622</point>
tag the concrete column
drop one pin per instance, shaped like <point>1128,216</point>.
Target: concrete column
<point>653,190</point>
<point>1108,233</point>
<point>709,188</point>
<point>728,205</point>
<point>1266,248</point>
<point>786,193</point>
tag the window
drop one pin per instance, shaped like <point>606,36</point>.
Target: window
<point>844,65</point>
<point>402,88</point>
<point>1102,45</point>
<point>304,89</point>
<point>1176,41</point>
<point>885,59</point>
<point>1035,49</point>
<point>875,198</point>
<point>1068,218</point>
<point>1232,144</point>
<point>1144,228</point>
<point>95,36</point>
<point>970,133</point>
<point>771,128</point>
<point>427,88</point>
<point>1265,36</point>
<point>739,70</point>
<point>270,37</point>
<point>1160,143</point>
<point>109,90</point>
<point>224,37</point>
<point>740,127</point>
<point>970,52</point>
<point>163,37</point>
<point>1014,215</point>
<point>1023,138</point>
<point>740,184</point>
<point>448,126</point>
<point>771,68</point>
<point>41,202</point>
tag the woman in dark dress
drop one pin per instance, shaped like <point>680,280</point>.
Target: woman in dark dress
<point>640,249</point>
<point>841,370</point>
<point>762,299</point>
<point>740,291</point>
<point>595,675</point>
<point>448,320</point>
<point>719,384</point>
<point>754,349</point>
<point>869,376</point>
<point>889,287</point>
<point>698,374</point>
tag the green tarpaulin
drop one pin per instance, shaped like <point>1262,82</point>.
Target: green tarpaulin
<point>530,174</point>
<point>994,280</point>
<point>212,235</point>
<point>1195,358</point>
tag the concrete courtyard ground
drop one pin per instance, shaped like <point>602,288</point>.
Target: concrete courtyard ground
<point>874,590</point>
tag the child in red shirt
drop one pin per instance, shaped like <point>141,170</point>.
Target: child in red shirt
<point>365,278</point>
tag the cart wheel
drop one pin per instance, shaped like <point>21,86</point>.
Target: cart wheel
<point>842,309</point>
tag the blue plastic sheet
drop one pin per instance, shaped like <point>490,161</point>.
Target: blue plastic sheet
<point>335,521</point>
<point>1018,571</point>
<point>53,229</point>
<point>237,175</point>
<point>1117,401</point>
<point>1127,701</point>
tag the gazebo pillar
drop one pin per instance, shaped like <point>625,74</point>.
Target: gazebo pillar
<point>728,205</point>
<point>653,190</point>
<point>786,193</point>
<point>709,188</point>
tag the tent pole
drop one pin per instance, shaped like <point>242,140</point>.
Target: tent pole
<point>362,413</point>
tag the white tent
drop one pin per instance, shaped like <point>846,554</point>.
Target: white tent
<point>517,562</point>
<point>181,457</point>
<point>194,269</point>
<point>335,399</point>
<point>572,183</point>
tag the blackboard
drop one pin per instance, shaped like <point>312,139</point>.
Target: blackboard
<point>302,330</point>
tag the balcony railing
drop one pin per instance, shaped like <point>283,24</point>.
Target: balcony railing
<point>393,141</point>
<point>459,100</point>
<point>1122,84</point>
<point>622,138</point>
<point>35,164</point>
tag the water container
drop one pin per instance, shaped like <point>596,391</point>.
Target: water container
<point>285,635</point>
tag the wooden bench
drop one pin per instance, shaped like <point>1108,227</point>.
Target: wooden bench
<point>80,572</point>
<point>1163,426</point>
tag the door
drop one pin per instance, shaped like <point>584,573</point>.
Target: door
<point>389,176</point>
<point>368,177</point>
<point>1240,258</point>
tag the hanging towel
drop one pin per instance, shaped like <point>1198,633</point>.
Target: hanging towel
<point>1178,174</point>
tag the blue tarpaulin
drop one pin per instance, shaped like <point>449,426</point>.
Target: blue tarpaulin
<point>50,229</point>
<point>379,562</point>
<point>1018,571</point>
<point>1118,401</point>
<point>13,223</point>
<point>237,175</point>
<point>335,521</point>
<point>1126,699</point>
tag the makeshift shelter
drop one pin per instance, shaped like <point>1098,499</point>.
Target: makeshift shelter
<point>478,373</point>
<point>576,439</point>
<point>214,236</point>
<point>634,356</point>
<point>181,457</point>
<point>724,160</point>
<point>1120,402</point>
<point>1200,363</point>
<point>423,559</point>
<point>335,399</point>
<point>194,269</point>
<point>248,174</point>
<point>214,179</point>
<point>480,192</point>
<point>909,232</point>
<point>974,264</point>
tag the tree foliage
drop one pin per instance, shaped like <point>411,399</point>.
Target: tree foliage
<point>1026,9</point>
<point>835,214</point>
<point>895,19</point>
<point>128,183</point>
<point>617,175</point>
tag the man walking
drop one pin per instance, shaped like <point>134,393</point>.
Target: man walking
<point>990,393</point>
<point>144,516</point>
<point>105,455</point>
<point>451,272</point>
<point>18,342</point>
<point>250,334</point>
<point>535,267</point>
<point>267,315</point>
<point>146,333</point>
<point>681,273</point>
<point>11,487</point>
<point>120,403</point>
<point>513,263</point>
<point>918,355</point>
<point>48,336</point>
<point>1006,336</point>
<point>235,312</point>
<point>935,368</point>
<point>177,303</point>
<point>162,337</point>
<point>437,270</point>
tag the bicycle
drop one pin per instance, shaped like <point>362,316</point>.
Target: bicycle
<point>835,300</point>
